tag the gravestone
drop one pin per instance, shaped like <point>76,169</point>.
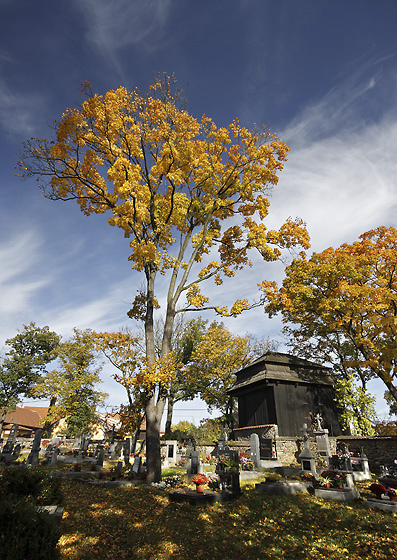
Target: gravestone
<point>33,458</point>
<point>12,436</point>
<point>85,442</point>
<point>229,474</point>
<point>255,451</point>
<point>118,448</point>
<point>54,457</point>
<point>136,467</point>
<point>306,456</point>
<point>101,457</point>
<point>195,462</point>
<point>222,442</point>
<point>127,450</point>
<point>16,452</point>
<point>171,447</point>
<point>322,440</point>
<point>266,448</point>
<point>77,442</point>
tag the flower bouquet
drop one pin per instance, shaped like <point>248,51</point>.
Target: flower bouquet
<point>392,494</point>
<point>214,482</point>
<point>200,480</point>
<point>378,490</point>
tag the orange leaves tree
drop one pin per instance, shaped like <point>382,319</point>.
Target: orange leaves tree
<point>346,299</point>
<point>181,189</point>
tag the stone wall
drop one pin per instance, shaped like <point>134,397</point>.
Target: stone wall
<point>380,450</point>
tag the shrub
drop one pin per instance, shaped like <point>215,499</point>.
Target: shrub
<point>26,534</point>
<point>32,483</point>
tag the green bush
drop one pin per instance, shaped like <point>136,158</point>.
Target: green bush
<point>26,533</point>
<point>31,482</point>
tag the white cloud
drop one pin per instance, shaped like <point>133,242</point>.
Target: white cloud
<point>115,25</point>
<point>18,110</point>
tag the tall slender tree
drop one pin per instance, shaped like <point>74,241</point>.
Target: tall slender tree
<point>181,190</point>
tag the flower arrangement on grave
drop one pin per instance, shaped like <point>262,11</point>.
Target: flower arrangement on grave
<point>200,479</point>
<point>392,494</point>
<point>227,464</point>
<point>377,489</point>
<point>245,462</point>
<point>337,478</point>
<point>325,481</point>
<point>343,454</point>
<point>172,481</point>
<point>214,481</point>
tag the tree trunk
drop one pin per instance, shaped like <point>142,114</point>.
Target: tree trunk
<point>154,412</point>
<point>47,423</point>
<point>2,418</point>
<point>168,422</point>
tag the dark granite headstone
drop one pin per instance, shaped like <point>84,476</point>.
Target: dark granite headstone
<point>266,448</point>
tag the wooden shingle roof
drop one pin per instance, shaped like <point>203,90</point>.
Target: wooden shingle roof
<point>276,366</point>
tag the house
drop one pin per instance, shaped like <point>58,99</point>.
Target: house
<point>31,418</point>
<point>284,391</point>
<point>28,418</point>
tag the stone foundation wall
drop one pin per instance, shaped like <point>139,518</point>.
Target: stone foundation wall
<point>379,450</point>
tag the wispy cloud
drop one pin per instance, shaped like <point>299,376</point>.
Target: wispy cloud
<point>17,110</point>
<point>115,25</point>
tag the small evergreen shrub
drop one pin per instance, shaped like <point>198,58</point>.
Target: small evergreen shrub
<point>26,533</point>
<point>30,482</point>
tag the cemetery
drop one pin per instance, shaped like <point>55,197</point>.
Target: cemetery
<point>305,468</point>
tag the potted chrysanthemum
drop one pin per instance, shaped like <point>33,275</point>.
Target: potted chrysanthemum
<point>200,480</point>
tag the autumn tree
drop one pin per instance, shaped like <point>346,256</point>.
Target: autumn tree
<point>72,385</point>
<point>215,361</point>
<point>181,189</point>
<point>28,354</point>
<point>346,300</point>
<point>126,352</point>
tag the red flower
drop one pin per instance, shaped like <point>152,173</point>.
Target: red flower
<point>200,479</point>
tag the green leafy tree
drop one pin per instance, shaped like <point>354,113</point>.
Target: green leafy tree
<point>71,386</point>
<point>28,354</point>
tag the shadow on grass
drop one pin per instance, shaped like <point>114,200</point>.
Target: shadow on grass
<point>137,523</point>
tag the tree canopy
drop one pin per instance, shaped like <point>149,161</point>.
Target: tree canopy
<point>181,189</point>
<point>28,354</point>
<point>346,299</point>
<point>71,386</point>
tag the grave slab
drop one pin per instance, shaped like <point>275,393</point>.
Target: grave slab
<point>336,495</point>
<point>385,505</point>
<point>280,488</point>
<point>207,497</point>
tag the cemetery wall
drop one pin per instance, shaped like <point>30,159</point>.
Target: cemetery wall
<point>380,450</point>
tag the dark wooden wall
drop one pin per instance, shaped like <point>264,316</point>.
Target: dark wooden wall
<point>288,405</point>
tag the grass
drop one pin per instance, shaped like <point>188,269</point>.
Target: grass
<point>139,523</point>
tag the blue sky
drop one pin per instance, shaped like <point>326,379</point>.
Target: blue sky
<point>321,74</point>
